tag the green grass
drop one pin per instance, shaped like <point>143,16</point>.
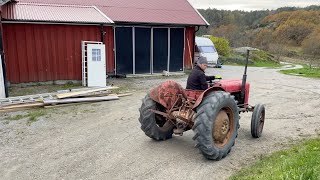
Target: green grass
<point>40,89</point>
<point>265,64</point>
<point>269,64</point>
<point>298,162</point>
<point>15,118</point>
<point>305,72</point>
<point>32,116</point>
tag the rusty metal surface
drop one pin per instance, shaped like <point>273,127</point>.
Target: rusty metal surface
<point>230,86</point>
<point>193,94</point>
<point>167,93</point>
<point>223,126</point>
<point>52,12</point>
<point>203,94</point>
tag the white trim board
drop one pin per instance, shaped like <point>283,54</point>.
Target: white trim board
<point>2,88</point>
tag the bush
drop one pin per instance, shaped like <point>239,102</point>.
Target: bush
<point>222,45</point>
<point>235,59</point>
<point>262,56</point>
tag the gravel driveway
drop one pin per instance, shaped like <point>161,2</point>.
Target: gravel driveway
<point>104,140</point>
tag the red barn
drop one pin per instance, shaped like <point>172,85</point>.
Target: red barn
<point>43,38</point>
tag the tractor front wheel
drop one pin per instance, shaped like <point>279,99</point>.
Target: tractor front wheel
<point>257,120</point>
<point>216,125</point>
<point>153,125</point>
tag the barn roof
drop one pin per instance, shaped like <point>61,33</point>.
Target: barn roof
<point>54,13</point>
<point>139,11</point>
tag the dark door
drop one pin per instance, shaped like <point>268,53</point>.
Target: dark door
<point>124,52</point>
<point>160,49</point>
<point>176,49</point>
<point>142,50</point>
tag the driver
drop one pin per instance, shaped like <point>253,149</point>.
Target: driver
<point>197,80</point>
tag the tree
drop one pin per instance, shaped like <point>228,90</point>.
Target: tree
<point>294,31</point>
<point>230,32</point>
<point>263,38</point>
<point>311,47</point>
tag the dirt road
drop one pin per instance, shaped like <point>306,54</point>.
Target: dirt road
<point>104,140</point>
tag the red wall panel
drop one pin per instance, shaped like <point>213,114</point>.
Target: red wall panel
<point>109,42</point>
<point>41,52</point>
<point>189,47</point>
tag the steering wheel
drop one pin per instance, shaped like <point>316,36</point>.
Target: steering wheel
<point>210,83</point>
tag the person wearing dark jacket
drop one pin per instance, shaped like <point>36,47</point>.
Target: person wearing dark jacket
<point>197,79</point>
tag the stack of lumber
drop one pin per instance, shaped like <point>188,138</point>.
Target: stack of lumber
<point>61,98</point>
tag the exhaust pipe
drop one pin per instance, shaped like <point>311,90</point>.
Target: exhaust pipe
<point>244,78</point>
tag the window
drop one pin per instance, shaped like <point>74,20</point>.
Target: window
<point>207,49</point>
<point>96,54</point>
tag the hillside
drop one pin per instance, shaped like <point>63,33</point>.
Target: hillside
<point>289,31</point>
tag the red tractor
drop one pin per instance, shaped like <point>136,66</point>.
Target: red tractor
<point>212,114</point>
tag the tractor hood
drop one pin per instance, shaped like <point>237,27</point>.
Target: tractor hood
<point>231,85</point>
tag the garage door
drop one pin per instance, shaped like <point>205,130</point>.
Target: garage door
<point>160,49</point>
<point>134,49</point>
<point>142,50</point>
<point>176,49</point>
<point>124,50</point>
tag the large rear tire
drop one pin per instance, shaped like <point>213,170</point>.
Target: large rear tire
<point>216,125</point>
<point>154,126</point>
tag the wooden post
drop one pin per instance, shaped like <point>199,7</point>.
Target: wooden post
<point>190,53</point>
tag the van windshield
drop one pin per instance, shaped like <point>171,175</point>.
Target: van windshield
<point>207,49</point>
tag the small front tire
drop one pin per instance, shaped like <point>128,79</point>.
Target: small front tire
<point>257,120</point>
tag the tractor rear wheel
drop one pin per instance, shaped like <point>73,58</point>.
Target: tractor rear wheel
<point>216,125</point>
<point>153,125</point>
<point>257,120</point>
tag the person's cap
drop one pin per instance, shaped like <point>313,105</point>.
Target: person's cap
<point>202,60</point>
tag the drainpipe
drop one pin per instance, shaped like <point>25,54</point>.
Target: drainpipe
<point>102,33</point>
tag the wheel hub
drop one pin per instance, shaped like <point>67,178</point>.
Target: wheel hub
<point>222,128</point>
<point>261,122</point>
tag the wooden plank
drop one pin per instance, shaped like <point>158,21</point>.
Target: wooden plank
<point>75,90</point>
<point>64,105</point>
<point>121,95</point>
<point>30,105</point>
<point>17,109</point>
<point>94,94</point>
<point>72,94</point>
<point>77,100</point>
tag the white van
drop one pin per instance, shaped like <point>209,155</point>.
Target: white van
<point>205,48</point>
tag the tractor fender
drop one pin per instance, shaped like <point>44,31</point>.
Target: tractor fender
<point>204,94</point>
<point>166,94</point>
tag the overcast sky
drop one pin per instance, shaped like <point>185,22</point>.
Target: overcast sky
<point>248,5</point>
